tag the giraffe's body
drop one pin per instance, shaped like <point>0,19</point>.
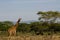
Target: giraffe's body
<point>12,30</point>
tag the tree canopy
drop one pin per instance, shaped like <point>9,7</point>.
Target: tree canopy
<point>49,15</point>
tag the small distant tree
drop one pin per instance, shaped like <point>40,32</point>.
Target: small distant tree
<point>38,27</point>
<point>24,27</point>
<point>5,25</point>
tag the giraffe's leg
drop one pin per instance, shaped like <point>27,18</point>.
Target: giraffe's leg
<point>14,33</point>
<point>10,33</point>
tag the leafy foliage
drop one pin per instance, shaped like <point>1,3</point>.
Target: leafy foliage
<point>49,15</point>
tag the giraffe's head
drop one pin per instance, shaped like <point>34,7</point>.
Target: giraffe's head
<point>19,20</point>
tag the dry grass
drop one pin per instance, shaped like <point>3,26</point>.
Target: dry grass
<point>20,36</point>
<point>28,37</point>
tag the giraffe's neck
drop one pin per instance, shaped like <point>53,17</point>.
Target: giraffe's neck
<point>17,23</point>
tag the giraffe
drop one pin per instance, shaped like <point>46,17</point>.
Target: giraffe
<point>12,30</point>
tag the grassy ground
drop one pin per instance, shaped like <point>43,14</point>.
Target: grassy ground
<point>27,37</point>
<point>22,36</point>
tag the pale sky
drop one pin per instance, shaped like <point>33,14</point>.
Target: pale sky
<point>11,10</point>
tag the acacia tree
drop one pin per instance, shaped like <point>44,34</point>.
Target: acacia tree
<point>49,15</point>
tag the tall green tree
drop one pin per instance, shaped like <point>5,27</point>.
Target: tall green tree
<point>49,15</point>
